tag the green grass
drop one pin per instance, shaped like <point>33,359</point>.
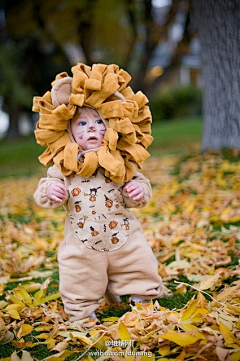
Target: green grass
<point>176,136</point>
<point>20,157</point>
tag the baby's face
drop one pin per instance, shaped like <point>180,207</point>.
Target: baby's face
<point>88,128</point>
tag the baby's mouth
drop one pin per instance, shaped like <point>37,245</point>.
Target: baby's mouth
<point>92,138</point>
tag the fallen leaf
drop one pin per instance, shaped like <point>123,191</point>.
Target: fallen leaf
<point>61,346</point>
<point>61,356</point>
<point>25,356</point>
<point>5,335</point>
<point>209,282</point>
<point>123,332</point>
<point>24,330</point>
<point>180,338</point>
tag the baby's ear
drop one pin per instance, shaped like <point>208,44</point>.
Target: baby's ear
<point>61,91</point>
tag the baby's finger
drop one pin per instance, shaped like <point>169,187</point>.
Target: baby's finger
<point>58,194</point>
<point>56,199</point>
<point>138,197</point>
<point>135,192</point>
<point>61,188</point>
<point>130,187</point>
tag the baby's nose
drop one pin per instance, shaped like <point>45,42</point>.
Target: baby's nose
<point>91,129</point>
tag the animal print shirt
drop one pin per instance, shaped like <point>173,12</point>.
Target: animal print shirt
<point>97,207</point>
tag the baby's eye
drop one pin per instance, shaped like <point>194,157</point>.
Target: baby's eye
<point>82,123</point>
<point>99,121</point>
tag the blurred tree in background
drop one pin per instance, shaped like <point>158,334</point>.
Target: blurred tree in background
<point>39,39</point>
<point>218,23</point>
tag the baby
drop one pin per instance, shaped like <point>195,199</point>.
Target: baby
<point>104,251</point>
<point>96,131</point>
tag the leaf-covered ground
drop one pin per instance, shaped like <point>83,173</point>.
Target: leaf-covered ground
<point>192,224</point>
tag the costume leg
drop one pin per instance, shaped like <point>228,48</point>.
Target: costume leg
<point>110,298</point>
<point>83,278</point>
<point>134,269</point>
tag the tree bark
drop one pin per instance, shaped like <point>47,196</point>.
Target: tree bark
<point>13,130</point>
<point>218,23</point>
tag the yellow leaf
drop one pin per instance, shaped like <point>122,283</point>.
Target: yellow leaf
<point>14,306</point>
<point>234,219</point>
<point>226,212</point>
<point>193,330</point>
<point>190,310</point>
<point>61,356</point>
<point>93,332</point>
<point>227,335</point>
<point>150,306</point>
<point>235,356</point>
<point>190,207</point>
<point>3,304</point>
<point>176,239</point>
<point>39,294</point>
<point>189,328</point>
<point>209,282</point>
<point>164,350</point>
<point>50,342</point>
<point>123,332</point>
<point>81,337</point>
<point>171,207</point>
<point>43,336</point>
<point>90,358</point>
<point>14,314</point>
<point>180,290</point>
<point>197,318</point>
<point>180,338</point>
<point>113,319</point>
<point>51,297</point>
<point>201,310</point>
<point>100,342</point>
<point>238,323</point>
<point>24,330</point>
<point>16,300</point>
<point>25,295</point>
<point>31,287</point>
<point>43,328</point>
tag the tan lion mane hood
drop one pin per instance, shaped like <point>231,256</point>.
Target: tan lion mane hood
<point>104,88</point>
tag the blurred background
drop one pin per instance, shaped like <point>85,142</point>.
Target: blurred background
<point>169,47</point>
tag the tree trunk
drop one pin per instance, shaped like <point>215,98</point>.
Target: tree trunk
<point>13,130</point>
<point>218,23</point>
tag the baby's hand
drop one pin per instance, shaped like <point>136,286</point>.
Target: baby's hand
<point>135,190</point>
<point>57,192</point>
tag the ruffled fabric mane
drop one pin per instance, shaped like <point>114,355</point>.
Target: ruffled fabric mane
<point>104,88</point>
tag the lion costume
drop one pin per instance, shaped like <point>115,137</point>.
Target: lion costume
<point>104,251</point>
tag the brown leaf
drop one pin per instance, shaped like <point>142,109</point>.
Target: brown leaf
<point>5,335</point>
